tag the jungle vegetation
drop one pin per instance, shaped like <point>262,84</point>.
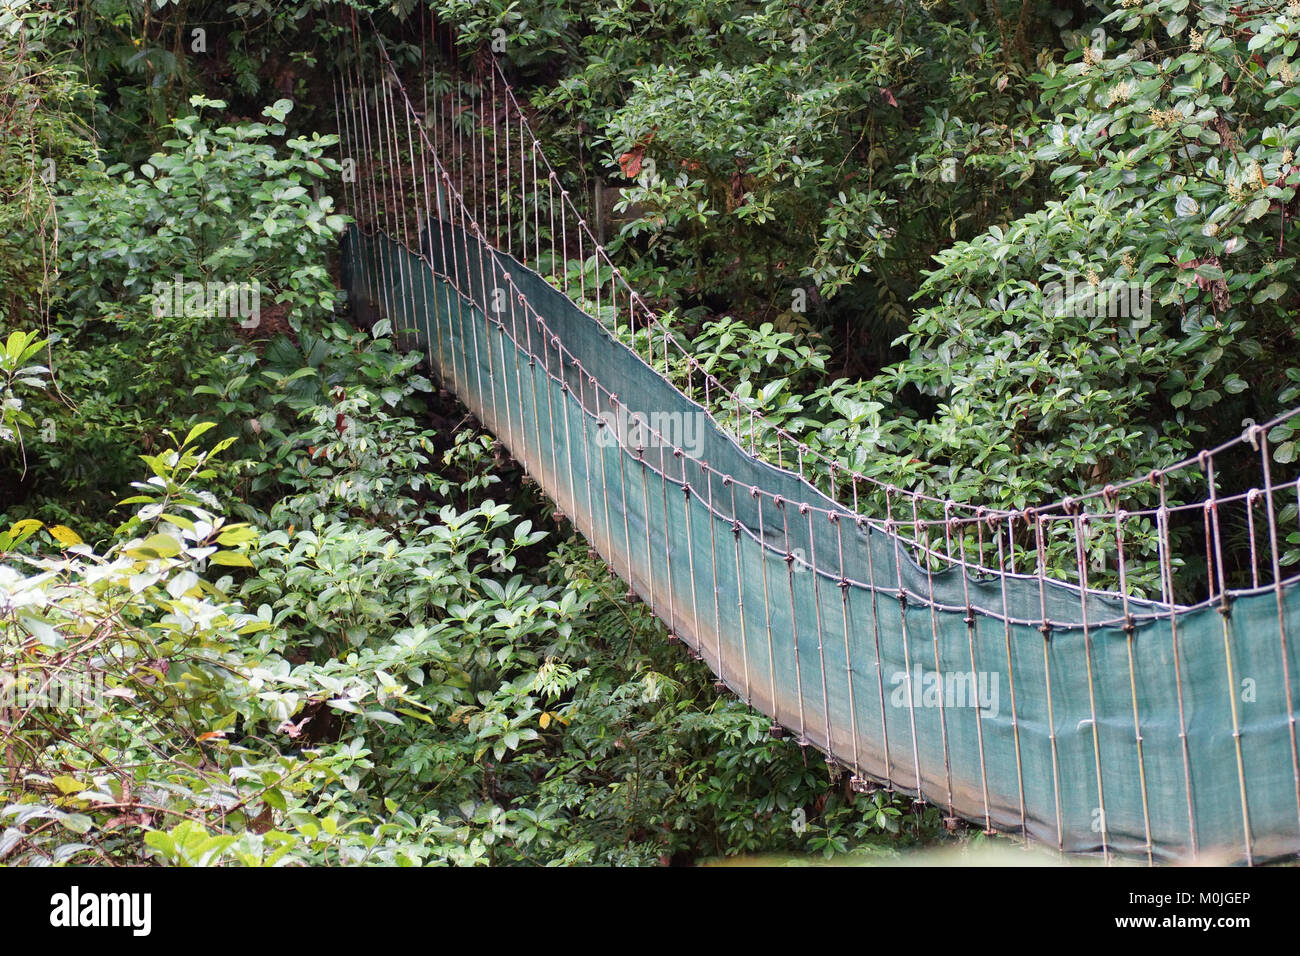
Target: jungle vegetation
<point>331,625</point>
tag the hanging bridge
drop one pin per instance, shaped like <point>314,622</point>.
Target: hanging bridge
<point>1044,672</point>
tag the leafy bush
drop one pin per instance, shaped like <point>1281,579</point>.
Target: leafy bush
<point>219,206</point>
<point>45,143</point>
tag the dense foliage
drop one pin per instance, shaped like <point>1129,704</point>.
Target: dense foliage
<point>255,608</point>
<point>1091,210</point>
<point>322,620</point>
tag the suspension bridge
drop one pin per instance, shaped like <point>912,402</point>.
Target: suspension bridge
<point>1043,672</point>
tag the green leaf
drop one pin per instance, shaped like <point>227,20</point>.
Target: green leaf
<point>160,545</point>
<point>1274,290</point>
<point>179,520</point>
<point>68,784</point>
<point>77,822</point>
<point>232,559</point>
<point>196,431</point>
<point>1256,209</point>
<point>234,535</point>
